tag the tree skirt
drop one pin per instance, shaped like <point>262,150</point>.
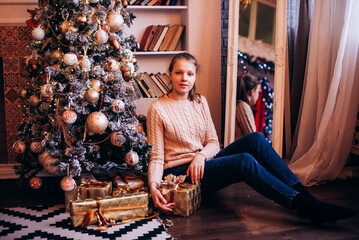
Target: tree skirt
<point>52,222</point>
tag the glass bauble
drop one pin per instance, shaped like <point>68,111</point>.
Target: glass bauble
<point>68,184</point>
<point>112,65</point>
<point>56,54</point>
<point>38,33</point>
<point>117,106</point>
<point>69,116</point>
<point>34,101</point>
<point>19,147</point>
<point>95,84</point>
<point>70,59</point>
<point>47,90</point>
<point>96,122</point>
<point>50,165</point>
<point>65,26</point>
<point>34,66</point>
<point>36,147</point>
<point>92,95</point>
<point>101,36</point>
<point>42,156</point>
<point>131,158</point>
<point>35,182</point>
<point>115,20</point>
<point>85,64</point>
<point>116,142</point>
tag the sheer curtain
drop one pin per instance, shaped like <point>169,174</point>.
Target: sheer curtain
<point>330,94</point>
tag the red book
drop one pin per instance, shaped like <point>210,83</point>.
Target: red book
<point>145,37</point>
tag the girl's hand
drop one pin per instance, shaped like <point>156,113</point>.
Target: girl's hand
<point>196,169</point>
<point>159,201</point>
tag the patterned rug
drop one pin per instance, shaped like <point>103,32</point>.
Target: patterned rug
<point>52,222</point>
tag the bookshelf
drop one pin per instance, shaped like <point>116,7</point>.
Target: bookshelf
<point>157,61</point>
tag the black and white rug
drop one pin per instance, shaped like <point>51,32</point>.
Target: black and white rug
<point>52,222</point>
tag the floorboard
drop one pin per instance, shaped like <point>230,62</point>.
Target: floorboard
<point>238,212</point>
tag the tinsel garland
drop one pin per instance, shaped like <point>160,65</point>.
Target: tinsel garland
<point>261,66</point>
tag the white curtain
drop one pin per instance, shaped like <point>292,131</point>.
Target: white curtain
<point>330,94</point>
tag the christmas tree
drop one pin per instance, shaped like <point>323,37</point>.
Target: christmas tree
<point>79,102</point>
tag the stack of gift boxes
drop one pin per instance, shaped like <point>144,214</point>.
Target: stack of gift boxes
<point>125,197</point>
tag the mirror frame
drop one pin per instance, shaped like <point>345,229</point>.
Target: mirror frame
<point>279,74</point>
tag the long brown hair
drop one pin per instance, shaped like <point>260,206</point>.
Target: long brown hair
<point>246,82</point>
<point>192,93</point>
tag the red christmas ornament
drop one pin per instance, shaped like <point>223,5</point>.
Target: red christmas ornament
<point>35,182</point>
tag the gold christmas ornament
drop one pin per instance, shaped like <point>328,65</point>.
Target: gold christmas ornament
<point>68,184</point>
<point>117,106</point>
<point>115,20</point>
<point>36,147</point>
<point>126,72</point>
<point>42,156</point>
<point>19,147</point>
<point>112,65</point>
<point>124,3</point>
<point>69,116</point>
<point>56,54</point>
<point>35,182</point>
<point>95,84</point>
<point>34,101</point>
<point>131,158</point>
<point>65,26</point>
<point>101,36</point>
<point>70,59</point>
<point>46,90</point>
<point>114,141</point>
<point>50,165</point>
<point>22,93</point>
<point>38,33</point>
<point>96,122</point>
<point>92,96</point>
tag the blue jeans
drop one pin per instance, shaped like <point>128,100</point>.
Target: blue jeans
<point>253,160</point>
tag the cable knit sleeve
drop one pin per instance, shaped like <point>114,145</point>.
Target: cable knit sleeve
<point>245,118</point>
<point>156,138</point>
<point>211,145</point>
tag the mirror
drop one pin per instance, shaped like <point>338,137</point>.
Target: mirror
<point>270,30</point>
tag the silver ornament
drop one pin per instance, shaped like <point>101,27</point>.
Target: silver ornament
<point>96,122</point>
<point>92,95</point>
<point>117,106</point>
<point>131,158</point>
<point>101,36</point>
<point>38,33</point>
<point>69,116</point>
<point>95,84</point>
<point>115,20</point>
<point>85,64</point>
<point>70,59</point>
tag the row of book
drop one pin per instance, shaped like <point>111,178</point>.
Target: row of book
<point>161,37</point>
<point>153,2</point>
<point>151,85</point>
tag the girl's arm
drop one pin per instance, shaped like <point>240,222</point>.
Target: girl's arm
<point>155,167</point>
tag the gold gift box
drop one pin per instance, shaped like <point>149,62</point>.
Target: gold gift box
<point>94,189</point>
<point>124,207</point>
<point>128,184</point>
<point>187,198</point>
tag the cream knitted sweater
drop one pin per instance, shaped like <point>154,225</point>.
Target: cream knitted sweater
<point>178,130</point>
<point>245,123</point>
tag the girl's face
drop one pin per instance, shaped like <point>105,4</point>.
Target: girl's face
<point>183,77</point>
<point>254,94</point>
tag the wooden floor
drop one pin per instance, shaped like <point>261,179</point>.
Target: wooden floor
<point>238,212</point>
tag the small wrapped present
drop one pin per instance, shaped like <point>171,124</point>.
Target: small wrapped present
<point>94,189</point>
<point>128,184</point>
<point>186,196</point>
<point>109,209</point>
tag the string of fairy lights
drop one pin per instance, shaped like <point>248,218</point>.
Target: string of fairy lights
<point>262,67</point>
